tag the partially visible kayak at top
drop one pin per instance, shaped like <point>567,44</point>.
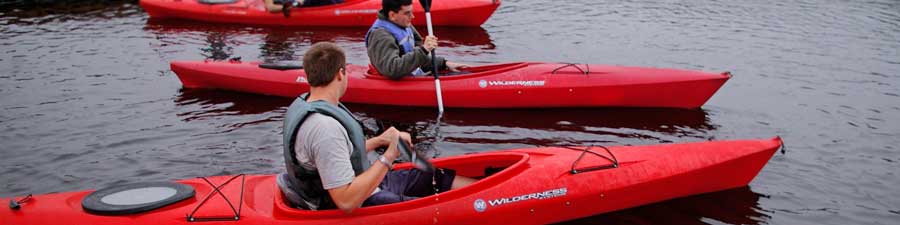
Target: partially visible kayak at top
<point>508,85</point>
<point>350,13</point>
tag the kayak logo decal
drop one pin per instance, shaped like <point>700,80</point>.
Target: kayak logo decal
<point>480,205</point>
<point>526,83</point>
<point>339,12</point>
<point>236,11</point>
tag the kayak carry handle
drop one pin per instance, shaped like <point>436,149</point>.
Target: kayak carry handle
<point>17,204</point>
<point>585,71</point>
<point>615,162</point>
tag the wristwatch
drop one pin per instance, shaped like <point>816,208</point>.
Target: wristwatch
<point>388,164</point>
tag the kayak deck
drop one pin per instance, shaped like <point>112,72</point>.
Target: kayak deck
<point>537,185</point>
<point>508,85</point>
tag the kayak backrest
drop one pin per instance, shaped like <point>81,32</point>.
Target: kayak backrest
<point>215,2</point>
<point>282,66</point>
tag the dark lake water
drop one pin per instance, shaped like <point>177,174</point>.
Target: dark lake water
<point>87,98</point>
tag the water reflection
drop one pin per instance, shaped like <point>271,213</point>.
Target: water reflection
<point>278,46</point>
<point>23,9</point>
<point>463,36</point>
<point>468,130</point>
<point>289,43</point>
<point>489,129</point>
<point>577,119</point>
<point>217,48</point>
<point>734,206</point>
<point>232,103</point>
<point>230,111</point>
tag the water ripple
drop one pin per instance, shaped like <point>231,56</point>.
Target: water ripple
<point>88,88</point>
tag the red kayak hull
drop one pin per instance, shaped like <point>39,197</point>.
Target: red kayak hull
<point>511,85</point>
<point>536,187</point>
<point>351,13</point>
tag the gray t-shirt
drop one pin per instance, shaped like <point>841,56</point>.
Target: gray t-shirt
<point>322,144</point>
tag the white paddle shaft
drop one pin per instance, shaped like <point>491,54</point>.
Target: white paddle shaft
<point>428,21</point>
<point>440,99</point>
<point>437,81</point>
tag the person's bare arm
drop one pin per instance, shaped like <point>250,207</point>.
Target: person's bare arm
<point>351,196</point>
<point>272,7</point>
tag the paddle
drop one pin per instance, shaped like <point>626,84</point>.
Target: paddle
<point>408,154</point>
<point>426,4</point>
<point>286,7</point>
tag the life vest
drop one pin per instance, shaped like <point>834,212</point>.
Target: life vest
<point>307,183</point>
<point>404,37</point>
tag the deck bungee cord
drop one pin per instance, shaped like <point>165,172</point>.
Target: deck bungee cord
<point>216,189</point>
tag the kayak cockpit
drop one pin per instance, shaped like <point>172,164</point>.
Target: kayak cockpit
<point>490,168</point>
<point>475,71</point>
<point>216,2</point>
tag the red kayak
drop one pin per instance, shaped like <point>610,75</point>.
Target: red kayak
<point>510,85</point>
<point>521,186</point>
<point>351,13</point>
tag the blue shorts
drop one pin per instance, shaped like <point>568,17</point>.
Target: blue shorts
<point>405,185</point>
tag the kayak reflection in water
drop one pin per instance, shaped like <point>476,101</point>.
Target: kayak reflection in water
<point>275,6</point>
<point>396,49</point>
<point>325,150</point>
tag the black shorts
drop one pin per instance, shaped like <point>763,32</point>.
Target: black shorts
<point>405,185</point>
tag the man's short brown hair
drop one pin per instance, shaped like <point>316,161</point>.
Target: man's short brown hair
<point>322,62</point>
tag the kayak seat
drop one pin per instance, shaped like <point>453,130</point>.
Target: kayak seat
<point>281,66</point>
<point>215,2</point>
<point>291,197</point>
<point>490,170</point>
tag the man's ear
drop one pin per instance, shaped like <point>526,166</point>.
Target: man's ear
<point>341,75</point>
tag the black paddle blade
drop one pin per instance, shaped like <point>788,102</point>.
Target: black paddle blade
<point>286,9</point>
<point>409,154</point>
<point>426,4</point>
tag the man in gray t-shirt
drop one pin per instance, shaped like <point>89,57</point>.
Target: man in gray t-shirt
<point>323,145</point>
